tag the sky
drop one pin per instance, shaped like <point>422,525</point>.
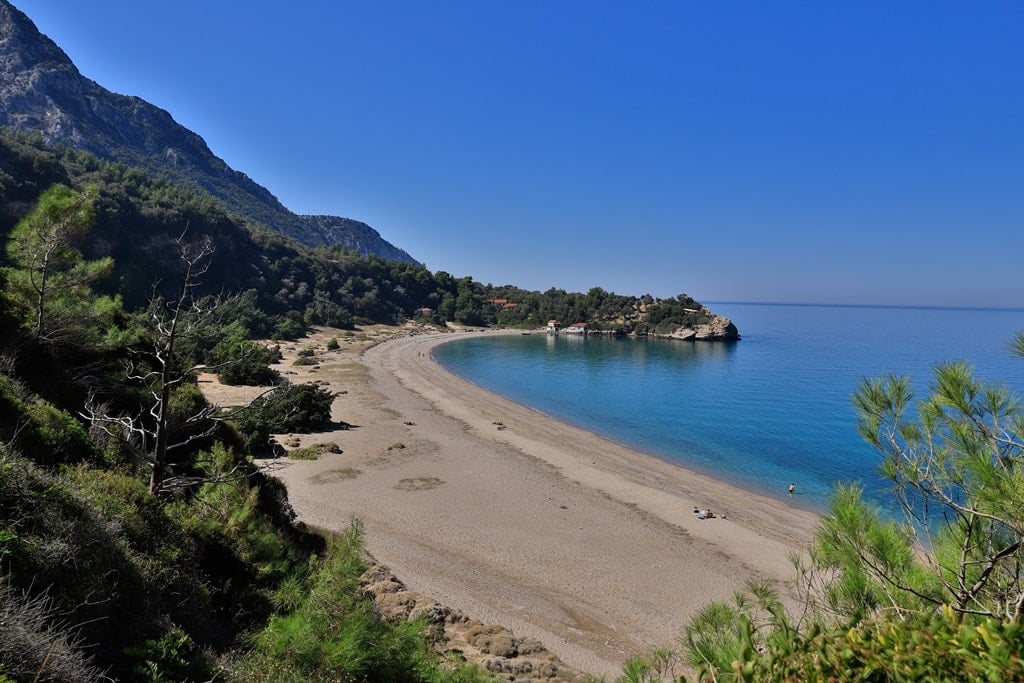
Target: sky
<point>804,152</point>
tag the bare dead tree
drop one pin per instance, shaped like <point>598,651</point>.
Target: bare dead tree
<point>172,320</point>
<point>184,315</point>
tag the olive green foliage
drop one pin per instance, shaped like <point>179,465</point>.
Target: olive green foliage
<point>601,310</point>
<point>958,477</point>
<point>36,426</point>
<point>286,287</point>
<point>49,277</point>
<point>712,640</point>
<point>307,452</point>
<point>96,549</point>
<point>290,408</point>
<point>239,360</point>
<point>99,572</point>
<point>661,664</point>
<point>943,647</point>
<point>328,630</point>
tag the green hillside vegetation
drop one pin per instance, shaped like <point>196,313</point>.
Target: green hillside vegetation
<point>138,541</point>
<point>283,287</point>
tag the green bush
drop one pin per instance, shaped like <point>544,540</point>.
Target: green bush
<point>103,563</point>
<point>169,658</point>
<point>333,633</point>
<point>292,408</point>
<point>42,431</point>
<point>239,360</point>
<point>945,647</point>
<point>229,513</point>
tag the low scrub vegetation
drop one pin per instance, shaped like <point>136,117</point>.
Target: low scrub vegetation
<point>138,541</point>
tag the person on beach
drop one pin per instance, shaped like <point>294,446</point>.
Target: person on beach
<point>792,489</point>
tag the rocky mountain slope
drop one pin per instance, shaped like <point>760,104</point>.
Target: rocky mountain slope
<point>41,91</point>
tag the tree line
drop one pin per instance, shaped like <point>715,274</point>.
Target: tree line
<point>287,287</point>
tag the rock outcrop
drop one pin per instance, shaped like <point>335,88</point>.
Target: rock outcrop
<point>42,92</point>
<point>719,328</point>
<point>494,648</point>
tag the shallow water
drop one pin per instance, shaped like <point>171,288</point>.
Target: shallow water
<point>771,409</point>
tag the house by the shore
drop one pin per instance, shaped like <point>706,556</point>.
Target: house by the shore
<point>576,328</point>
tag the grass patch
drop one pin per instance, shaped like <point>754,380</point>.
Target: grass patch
<point>336,475</point>
<point>313,451</point>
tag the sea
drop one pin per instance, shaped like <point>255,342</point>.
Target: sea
<point>769,410</point>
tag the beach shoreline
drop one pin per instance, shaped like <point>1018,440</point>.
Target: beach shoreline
<point>516,518</point>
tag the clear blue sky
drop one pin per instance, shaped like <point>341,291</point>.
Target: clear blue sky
<point>854,152</point>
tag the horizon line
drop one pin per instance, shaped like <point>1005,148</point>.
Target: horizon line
<point>1008,309</point>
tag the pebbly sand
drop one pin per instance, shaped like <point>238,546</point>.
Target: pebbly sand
<point>518,519</point>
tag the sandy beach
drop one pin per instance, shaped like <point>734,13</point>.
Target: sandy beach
<point>518,519</point>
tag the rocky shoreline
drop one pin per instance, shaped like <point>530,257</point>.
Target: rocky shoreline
<point>492,647</point>
<point>718,329</point>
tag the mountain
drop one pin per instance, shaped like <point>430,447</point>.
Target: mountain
<point>42,91</point>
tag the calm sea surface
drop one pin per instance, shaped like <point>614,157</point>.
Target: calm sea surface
<point>762,412</point>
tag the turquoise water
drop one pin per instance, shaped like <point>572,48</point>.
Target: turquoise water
<point>762,412</point>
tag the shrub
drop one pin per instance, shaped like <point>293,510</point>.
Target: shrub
<point>292,408</point>
<point>251,367</point>
<point>313,451</point>
<point>44,432</point>
<point>332,631</point>
<point>95,547</point>
<point>943,647</point>
<point>172,657</point>
<point>241,361</point>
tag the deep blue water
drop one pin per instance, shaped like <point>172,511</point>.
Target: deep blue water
<point>762,412</point>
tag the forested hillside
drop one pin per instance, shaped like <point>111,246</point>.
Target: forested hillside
<point>139,541</point>
<point>287,286</point>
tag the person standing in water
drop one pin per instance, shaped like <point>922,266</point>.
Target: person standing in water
<point>792,489</point>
